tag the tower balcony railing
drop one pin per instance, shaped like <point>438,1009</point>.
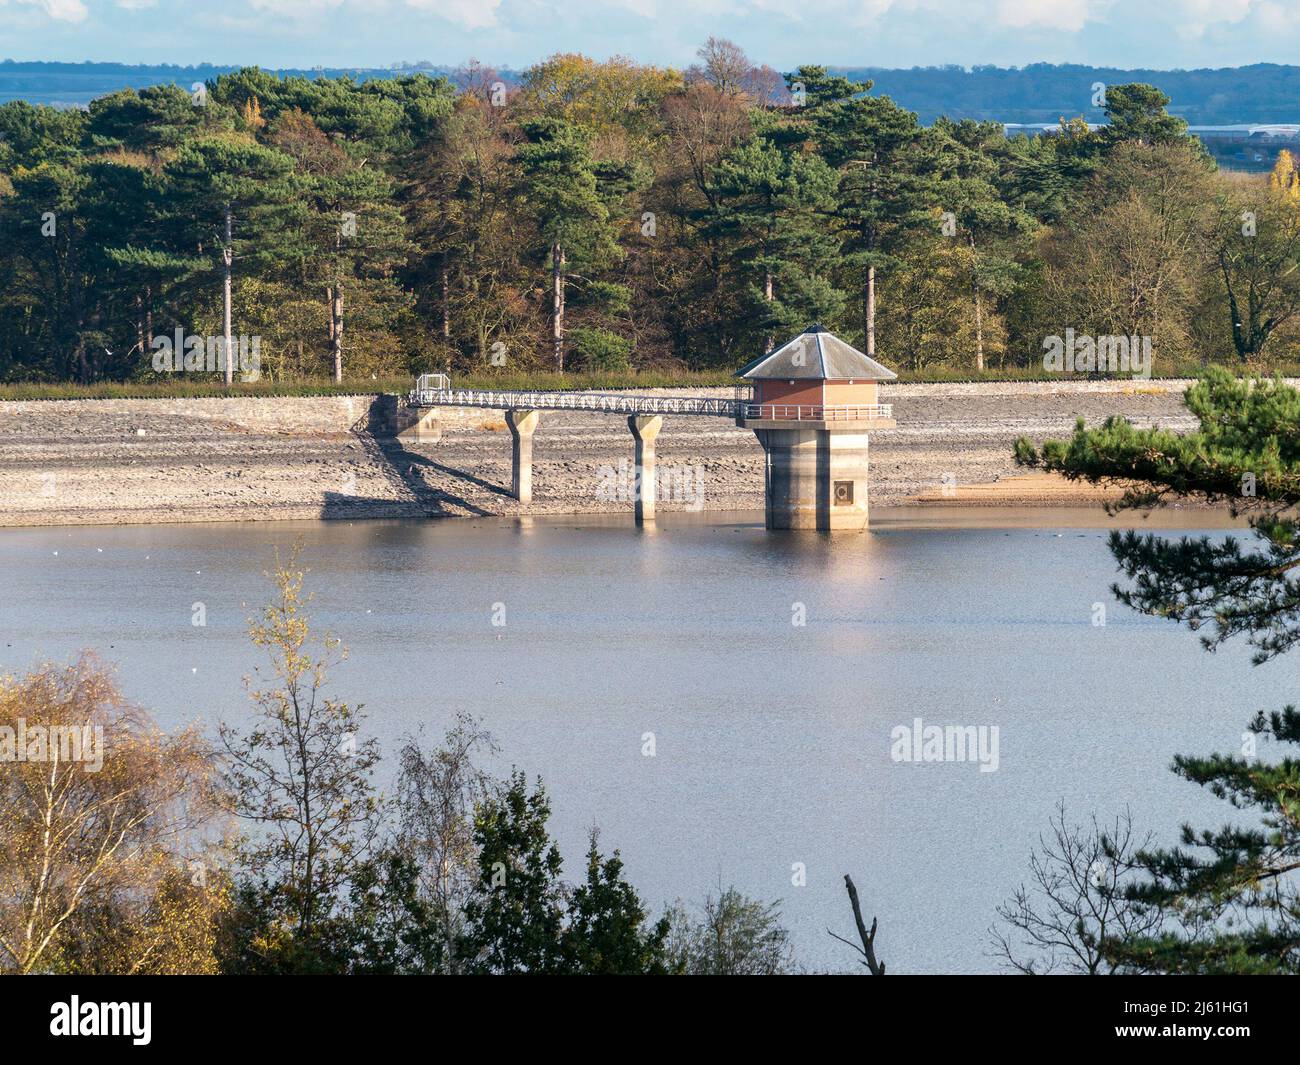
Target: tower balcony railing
<point>793,412</point>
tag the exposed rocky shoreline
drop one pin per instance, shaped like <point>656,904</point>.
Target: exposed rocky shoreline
<point>152,461</point>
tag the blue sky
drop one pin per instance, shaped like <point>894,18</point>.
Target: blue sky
<point>783,33</point>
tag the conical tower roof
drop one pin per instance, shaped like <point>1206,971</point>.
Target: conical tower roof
<point>817,355</point>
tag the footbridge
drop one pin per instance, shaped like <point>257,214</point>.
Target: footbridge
<point>434,390</point>
<point>816,450</point>
<point>522,409</point>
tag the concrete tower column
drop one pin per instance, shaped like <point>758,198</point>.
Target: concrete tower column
<point>645,430</point>
<point>522,424</point>
<point>816,478</point>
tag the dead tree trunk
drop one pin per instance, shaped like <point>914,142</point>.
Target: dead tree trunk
<point>871,311</point>
<point>446,303</point>
<point>336,333</point>
<point>868,948</point>
<point>768,295</point>
<point>557,305</point>
<point>227,260</point>
<point>979,307</point>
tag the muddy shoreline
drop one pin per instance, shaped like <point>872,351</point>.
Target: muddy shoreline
<point>86,462</point>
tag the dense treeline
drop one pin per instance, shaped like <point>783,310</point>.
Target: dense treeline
<point>604,216</point>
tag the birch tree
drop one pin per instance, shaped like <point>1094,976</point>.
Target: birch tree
<point>104,819</point>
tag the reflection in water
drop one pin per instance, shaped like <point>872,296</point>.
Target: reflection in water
<point>771,668</point>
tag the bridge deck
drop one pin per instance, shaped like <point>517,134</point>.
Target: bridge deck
<point>622,403</point>
<point>601,402</point>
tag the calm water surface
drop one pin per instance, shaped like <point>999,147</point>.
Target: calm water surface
<point>773,740</point>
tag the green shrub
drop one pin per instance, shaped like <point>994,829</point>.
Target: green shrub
<point>599,349</point>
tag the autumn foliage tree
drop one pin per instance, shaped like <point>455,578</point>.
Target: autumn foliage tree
<point>610,214</point>
<point>106,830</point>
<point>299,780</point>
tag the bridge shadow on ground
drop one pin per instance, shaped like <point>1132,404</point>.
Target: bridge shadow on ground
<point>401,469</point>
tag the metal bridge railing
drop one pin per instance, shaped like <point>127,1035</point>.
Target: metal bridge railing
<point>432,382</point>
<point>433,390</point>
<point>800,413</point>
<point>604,402</point>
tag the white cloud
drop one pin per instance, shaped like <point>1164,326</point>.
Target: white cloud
<point>294,9</point>
<point>1068,15</point>
<point>60,10</point>
<point>644,8</point>
<point>1277,18</point>
<point>467,14</point>
<point>1155,33</point>
<point>1197,16</point>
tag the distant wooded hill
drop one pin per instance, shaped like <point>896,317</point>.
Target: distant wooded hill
<point>1040,92</point>
<point>76,84</point>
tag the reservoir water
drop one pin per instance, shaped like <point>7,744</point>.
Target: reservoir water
<point>772,739</point>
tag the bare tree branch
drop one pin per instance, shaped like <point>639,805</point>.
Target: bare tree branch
<point>868,948</point>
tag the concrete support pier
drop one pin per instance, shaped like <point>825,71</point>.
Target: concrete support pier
<point>815,478</point>
<point>390,417</point>
<point>427,430</point>
<point>645,430</point>
<point>522,424</point>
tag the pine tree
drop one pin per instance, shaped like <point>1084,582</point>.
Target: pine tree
<point>1229,895</point>
<point>982,217</point>
<point>1136,112</point>
<point>561,185</point>
<point>1228,898</point>
<point>1246,455</point>
<point>61,278</point>
<point>771,205</point>
<point>236,202</point>
<point>460,199</point>
<point>521,918</point>
<point>157,119</point>
<point>885,190</point>
<point>607,933</point>
<point>357,240</point>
